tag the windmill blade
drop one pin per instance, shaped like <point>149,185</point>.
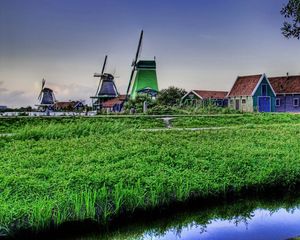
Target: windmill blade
<point>134,62</point>
<point>100,75</point>
<point>130,80</point>
<point>43,84</point>
<point>139,47</point>
<point>40,95</point>
<point>104,64</point>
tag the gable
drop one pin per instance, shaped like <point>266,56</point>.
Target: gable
<point>191,95</point>
<point>258,89</point>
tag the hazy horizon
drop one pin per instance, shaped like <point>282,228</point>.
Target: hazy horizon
<point>201,44</point>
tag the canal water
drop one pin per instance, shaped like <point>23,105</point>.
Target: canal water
<point>267,217</point>
<point>263,224</point>
<point>245,219</point>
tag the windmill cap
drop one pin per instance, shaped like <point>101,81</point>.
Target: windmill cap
<point>47,89</point>
<point>146,64</point>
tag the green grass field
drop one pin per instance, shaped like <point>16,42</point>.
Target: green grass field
<point>62,169</point>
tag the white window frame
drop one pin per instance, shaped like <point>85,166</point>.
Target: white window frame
<point>296,105</point>
<point>279,100</point>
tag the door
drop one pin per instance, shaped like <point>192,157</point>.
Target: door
<point>264,104</point>
<point>237,104</point>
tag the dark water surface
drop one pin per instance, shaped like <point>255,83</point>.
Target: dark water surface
<point>267,217</point>
<point>256,218</point>
<point>263,224</point>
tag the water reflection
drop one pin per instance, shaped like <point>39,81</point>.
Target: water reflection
<point>264,224</point>
<point>246,219</point>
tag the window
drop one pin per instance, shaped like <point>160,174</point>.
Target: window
<point>231,101</point>
<point>277,104</point>
<point>243,101</point>
<point>237,104</point>
<point>264,90</point>
<point>296,102</point>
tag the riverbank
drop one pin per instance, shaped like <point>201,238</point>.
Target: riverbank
<point>70,169</point>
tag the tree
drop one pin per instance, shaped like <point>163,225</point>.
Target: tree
<point>170,96</point>
<point>138,102</point>
<point>291,12</point>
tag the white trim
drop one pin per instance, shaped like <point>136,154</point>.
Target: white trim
<point>276,102</point>
<point>264,97</point>
<point>294,105</point>
<point>259,82</point>
<point>192,91</point>
<point>295,93</point>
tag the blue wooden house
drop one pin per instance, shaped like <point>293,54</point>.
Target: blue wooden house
<point>252,93</point>
<point>287,90</point>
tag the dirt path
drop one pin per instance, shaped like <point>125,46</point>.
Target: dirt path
<point>183,129</point>
<point>6,134</point>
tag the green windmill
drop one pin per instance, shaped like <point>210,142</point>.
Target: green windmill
<point>145,81</point>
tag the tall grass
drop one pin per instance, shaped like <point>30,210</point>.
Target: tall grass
<point>66,171</point>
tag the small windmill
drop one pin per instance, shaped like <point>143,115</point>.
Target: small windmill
<point>106,88</point>
<point>46,97</point>
<point>145,81</point>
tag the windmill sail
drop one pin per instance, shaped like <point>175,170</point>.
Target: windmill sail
<point>138,51</point>
<point>145,81</point>
<point>46,97</point>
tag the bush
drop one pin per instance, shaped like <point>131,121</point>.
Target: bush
<point>138,102</point>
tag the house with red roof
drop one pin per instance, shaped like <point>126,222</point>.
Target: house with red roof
<point>114,104</point>
<point>203,97</point>
<point>287,90</point>
<point>69,106</point>
<point>252,93</point>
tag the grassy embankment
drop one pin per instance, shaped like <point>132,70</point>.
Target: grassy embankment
<point>57,170</point>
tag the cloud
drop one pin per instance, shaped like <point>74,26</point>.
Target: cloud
<point>2,89</point>
<point>13,98</point>
<point>65,92</point>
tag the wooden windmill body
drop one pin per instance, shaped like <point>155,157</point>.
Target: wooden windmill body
<point>46,98</point>
<point>106,89</point>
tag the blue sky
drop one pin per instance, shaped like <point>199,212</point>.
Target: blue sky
<point>198,44</point>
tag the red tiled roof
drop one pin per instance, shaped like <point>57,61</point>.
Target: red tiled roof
<point>110,103</point>
<point>286,84</point>
<point>64,104</point>
<point>122,97</point>
<point>244,85</point>
<point>206,94</point>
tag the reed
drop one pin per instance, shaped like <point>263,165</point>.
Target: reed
<point>76,169</point>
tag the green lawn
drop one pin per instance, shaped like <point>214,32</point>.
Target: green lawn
<point>77,168</point>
